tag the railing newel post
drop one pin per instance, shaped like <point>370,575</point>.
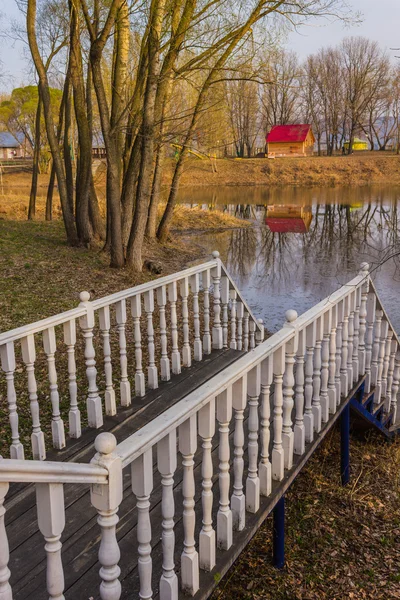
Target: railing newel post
<point>106,499</point>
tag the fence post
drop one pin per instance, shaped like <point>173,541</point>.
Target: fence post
<point>279,534</point>
<point>106,498</point>
<point>345,445</point>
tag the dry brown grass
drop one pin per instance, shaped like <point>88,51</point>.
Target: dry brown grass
<point>341,543</point>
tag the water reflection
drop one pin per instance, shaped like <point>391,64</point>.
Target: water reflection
<point>305,243</point>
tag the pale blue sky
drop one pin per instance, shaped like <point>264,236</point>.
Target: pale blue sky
<point>381,23</point>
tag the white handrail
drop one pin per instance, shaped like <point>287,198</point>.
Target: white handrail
<point>151,285</point>
<point>43,324</point>
<point>150,434</point>
<point>147,436</point>
<point>36,471</point>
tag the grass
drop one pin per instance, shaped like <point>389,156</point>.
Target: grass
<point>341,543</point>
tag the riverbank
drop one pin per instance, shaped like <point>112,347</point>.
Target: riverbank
<point>356,170</point>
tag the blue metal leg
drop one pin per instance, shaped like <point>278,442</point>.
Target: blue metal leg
<point>279,534</point>
<point>345,445</point>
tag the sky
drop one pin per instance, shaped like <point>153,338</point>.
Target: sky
<point>381,19</point>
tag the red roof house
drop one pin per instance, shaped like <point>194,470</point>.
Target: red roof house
<point>290,140</point>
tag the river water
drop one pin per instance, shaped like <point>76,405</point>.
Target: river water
<point>304,243</point>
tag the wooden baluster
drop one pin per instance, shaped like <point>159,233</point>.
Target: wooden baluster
<point>375,350</point>
<point>339,343</point>
<point>190,557</point>
<point>106,499</point>
<point>278,460</point>
<point>136,310</point>
<point>186,350</point>
<point>217,334</point>
<point>8,366</point>
<point>197,345</point>
<point>395,387</point>
<point>166,461</point>
<point>308,388</point>
<point>350,344</point>
<point>386,363</point>
<point>356,338</point>
<point>240,314</point>
<point>142,485</point>
<point>371,309</point>
<point>93,402</point>
<point>392,358</point>
<point>299,443</point>
<point>207,542</point>
<point>125,386</point>
<point>37,437</point>
<point>51,522</point>
<point>381,358</point>
<point>246,331</point>
<point>233,297</point>
<point>288,392</point>
<point>344,377</point>
<point>363,319</point>
<point>109,395</point>
<point>57,424</point>
<point>175,356</point>
<point>5,588</point>
<point>206,281</point>
<point>252,327</point>
<point>324,397</point>
<point>74,415</point>
<point>164,362</point>
<point>316,400</point>
<point>225,302</point>
<point>332,362</point>
<point>238,500</point>
<point>253,481</point>
<point>152,373</point>
<point>224,516</point>
<point>264,466</point>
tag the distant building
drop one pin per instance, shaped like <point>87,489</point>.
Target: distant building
<point>357,144</point>
<point>290,140</point>
<point>10,147</point>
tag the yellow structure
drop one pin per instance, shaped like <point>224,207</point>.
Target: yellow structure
<point>357,144</point>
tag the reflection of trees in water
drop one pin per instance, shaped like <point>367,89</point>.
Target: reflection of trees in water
<point>339,238</point>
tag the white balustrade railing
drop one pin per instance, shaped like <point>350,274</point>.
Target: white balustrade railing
<point>126,342</point>
<point>285,388</point>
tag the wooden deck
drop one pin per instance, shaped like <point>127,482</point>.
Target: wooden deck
<point>82,535</point>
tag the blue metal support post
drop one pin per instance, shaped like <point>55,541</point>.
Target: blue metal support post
<point>345,445</point>
<point>279,534</point>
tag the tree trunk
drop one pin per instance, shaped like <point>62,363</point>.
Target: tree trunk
<point>68,216</point>
<point>49,197</point>
<point>69,176</point>
<point>36,157</point>
<point>146,173</point>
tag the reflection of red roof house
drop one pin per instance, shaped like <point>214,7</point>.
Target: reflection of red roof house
<point>289,218</point>
<point>277,225</point>
<point>286,140</point>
